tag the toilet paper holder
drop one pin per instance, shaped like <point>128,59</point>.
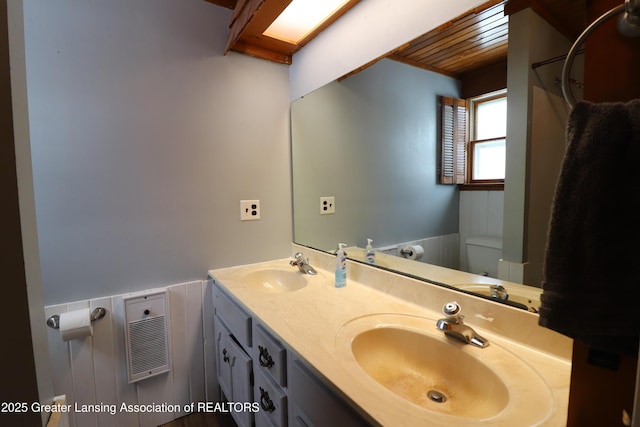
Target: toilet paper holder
<point>97,313</point>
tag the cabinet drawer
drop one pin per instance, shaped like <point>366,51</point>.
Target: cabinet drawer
<point>235,318</point>
<point>270,355</point>
<point>273,401</point>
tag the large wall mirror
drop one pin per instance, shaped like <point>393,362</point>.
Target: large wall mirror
<point>371,142</point>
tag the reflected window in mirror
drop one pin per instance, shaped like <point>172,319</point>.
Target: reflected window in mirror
<point>488,130</point>
<point>473,140</point>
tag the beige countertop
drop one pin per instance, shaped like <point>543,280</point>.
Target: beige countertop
<point>310,320</point>
<point>524,294</point>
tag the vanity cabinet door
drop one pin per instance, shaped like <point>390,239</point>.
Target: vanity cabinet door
<point>234,368</point>
<point>223,349</point>
<point>314,404</point>
<point>299,419</point>
<point>241,387</point>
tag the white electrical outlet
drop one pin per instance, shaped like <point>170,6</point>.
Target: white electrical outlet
<point>327,205</point>
<point>249,210</point>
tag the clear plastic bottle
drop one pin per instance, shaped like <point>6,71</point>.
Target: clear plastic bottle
<point>370,255</point>
<point>341,267</point>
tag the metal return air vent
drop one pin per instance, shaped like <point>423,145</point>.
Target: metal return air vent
<point>147,336</point>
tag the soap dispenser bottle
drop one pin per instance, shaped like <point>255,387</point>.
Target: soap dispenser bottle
<point>370,255</point>
<point>341,267</point>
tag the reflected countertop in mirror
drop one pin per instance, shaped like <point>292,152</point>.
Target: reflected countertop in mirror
<point>514,294</point>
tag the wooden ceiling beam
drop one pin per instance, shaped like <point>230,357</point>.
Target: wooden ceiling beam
<point>261,52</point>
<point>250,16</point>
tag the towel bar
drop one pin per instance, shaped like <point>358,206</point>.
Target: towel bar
<point>629,25</point>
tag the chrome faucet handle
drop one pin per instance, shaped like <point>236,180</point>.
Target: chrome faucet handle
<point>303,264</point>
<point>452,312</point>
<point>299,259</point>
<point>454,327</point>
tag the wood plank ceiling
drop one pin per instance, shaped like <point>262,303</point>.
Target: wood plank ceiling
<point>471,41</point>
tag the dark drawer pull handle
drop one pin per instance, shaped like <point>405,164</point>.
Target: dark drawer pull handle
<point>224,353</point>
<point>265,358</point>
<point>265,402</point>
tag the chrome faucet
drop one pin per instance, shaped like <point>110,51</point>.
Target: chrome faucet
<point>498,292</point>
<point>453,326</point>
<point>303,264</point>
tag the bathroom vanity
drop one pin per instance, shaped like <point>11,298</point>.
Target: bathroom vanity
<point>312,355</point>
<point>255,366</point>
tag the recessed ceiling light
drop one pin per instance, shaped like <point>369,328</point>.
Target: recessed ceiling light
<point>301,17</point>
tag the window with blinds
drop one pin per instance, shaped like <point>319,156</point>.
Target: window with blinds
<point>473,140</point>
<point>454,140</point>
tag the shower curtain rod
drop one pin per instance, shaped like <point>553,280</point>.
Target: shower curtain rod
<point>554,59</point>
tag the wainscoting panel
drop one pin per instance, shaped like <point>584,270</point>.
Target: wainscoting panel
<point>104,358</point>
<point>195,343</point>
<point>211,382</point>
<point>438,250</point>
<point>442,250</point>
<point>481,215</point>
<point>180,359</point>
<point>93,371</point>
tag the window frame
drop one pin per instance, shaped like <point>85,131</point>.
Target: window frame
<point>472,141</point>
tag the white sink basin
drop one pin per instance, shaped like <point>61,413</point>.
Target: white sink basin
<point>406,357</point>
<point>276,281</point>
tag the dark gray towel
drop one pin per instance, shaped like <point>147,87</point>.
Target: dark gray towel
<point>591,285</point>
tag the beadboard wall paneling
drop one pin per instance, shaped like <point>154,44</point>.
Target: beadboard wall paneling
<point>94,370</point>
<point>438,250</point>
<point>481,214</point>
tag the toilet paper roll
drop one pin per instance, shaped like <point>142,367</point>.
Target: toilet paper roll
<point>75,324</point>
<point>413,252</point>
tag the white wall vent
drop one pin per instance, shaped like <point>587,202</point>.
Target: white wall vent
<point>147,335</point>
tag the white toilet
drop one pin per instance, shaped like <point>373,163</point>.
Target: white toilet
<point>483,254</point>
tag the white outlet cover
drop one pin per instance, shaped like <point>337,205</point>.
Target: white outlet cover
<point>249,210</point>
<point>327,205</point>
